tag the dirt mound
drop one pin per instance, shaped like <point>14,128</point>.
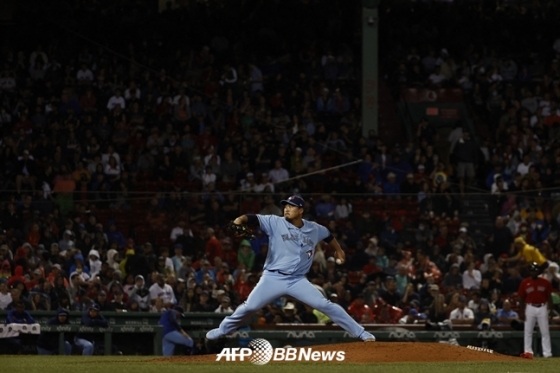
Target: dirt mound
<point>386,352</point>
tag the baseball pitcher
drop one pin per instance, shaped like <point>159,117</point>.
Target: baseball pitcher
<point>292,243</point>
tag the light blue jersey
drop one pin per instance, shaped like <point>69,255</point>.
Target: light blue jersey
<point>291,249</point>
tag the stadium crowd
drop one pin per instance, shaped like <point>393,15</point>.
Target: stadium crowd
<point>124,162</point>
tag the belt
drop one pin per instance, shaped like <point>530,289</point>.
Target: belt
<point>282,273</point>
<point>536,304</point>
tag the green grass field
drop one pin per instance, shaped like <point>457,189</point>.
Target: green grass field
<point>138,364</point>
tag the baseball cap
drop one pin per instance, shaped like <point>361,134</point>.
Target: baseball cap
<point>331,259</point>
<point>178,246</point>
<point>463,229</point>
<point>413,312</point>
<point>94,306</point>
<point>463,299</point>
<point>294,201</point>
<point>434,287</point>
<point>57,266</point>
<point>38,272</point>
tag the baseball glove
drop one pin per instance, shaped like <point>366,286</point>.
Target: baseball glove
<point>241,230</point>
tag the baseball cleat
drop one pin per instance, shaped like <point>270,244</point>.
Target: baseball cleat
<point>213,334</point>
<point>527,355</point>
<point>367,337</point>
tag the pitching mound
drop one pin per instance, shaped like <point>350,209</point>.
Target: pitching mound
<point>386,352</point>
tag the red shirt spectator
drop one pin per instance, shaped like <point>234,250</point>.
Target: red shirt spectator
<point>358,308</point>
<point>88,101</point>
<point>213,246</point>
<point>18,276</point>
<point>371,267</point>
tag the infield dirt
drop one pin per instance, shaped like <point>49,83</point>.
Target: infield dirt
<point>387,352</point>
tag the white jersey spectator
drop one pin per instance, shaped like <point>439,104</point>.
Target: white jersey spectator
<point>162,290</point>
<point>471,277</point>
<point>5,296</point>
<point>84,74</point>
<point>462,314</point>
<point>115,100</point>
<point>278,173</point>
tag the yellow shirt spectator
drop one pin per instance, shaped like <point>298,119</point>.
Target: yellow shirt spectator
<point>528,252</point>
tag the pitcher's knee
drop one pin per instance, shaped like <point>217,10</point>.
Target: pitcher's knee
<point>248,308</point>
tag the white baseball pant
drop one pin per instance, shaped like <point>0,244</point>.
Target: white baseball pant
<point>539,315</point>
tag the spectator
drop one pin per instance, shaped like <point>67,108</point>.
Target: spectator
<point>482,312</point>
<point>390,294</point>
<point>178,258</point>
<point>115,100</point>
<point>213,246</point>
<point>5,295</point>
<point>225,306</point>
<point>452,279</point>
<point>466,157</point>
<point>140,294</point>
<point>471,277</point>
<point>358,308</point>
<point>413,317</point>
<point>162,290</point>
<point>204,304</point>
<point>117,303</point>
<point>506,315</point>
<point>391,186</point>
<point>462,315</point>
<point>529,253</point>
<point>246,255</point>
<point>500,238</point>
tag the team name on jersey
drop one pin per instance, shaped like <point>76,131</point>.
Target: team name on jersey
<point>295,238</point>
<point>539,288</point>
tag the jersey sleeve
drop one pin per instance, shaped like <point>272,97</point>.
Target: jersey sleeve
<point>521,290</point>
<point>267,222</point>
<point>323,232</point>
